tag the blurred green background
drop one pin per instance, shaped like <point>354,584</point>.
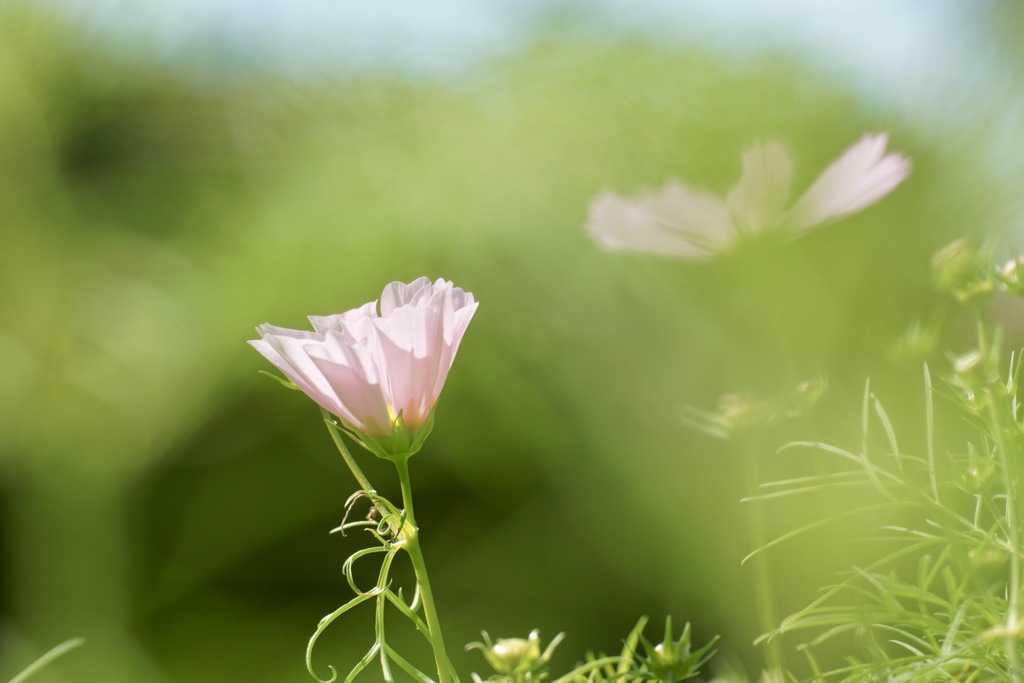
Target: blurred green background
<point>161,499</point>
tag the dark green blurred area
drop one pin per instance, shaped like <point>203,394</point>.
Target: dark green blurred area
<point>161,499</point>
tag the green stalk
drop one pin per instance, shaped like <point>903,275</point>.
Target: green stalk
<point>1012,525</point>
<point>410,533</point>
<point>53,654</point>
<point>1013,610</point>
<point>332,427</point>
<point>364,483</point>
<point>764,599</point>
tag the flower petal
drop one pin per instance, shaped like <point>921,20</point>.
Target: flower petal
<point>454,329</point>
<point>337,322</point>
<point>363,404</point>
<point>856,180</point>
<point>757,201</point>
<point>368,368</point>
<point>287,350</point>
<point>412,379</point>
<point>674,221</point>
<point>398,294</point>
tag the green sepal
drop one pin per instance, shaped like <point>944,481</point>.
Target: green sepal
<point>287,384</point>
<point>398,445</point>
<point>671,661</point>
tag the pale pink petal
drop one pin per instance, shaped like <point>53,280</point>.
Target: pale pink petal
<point>364,407</point>
<point>461,299</point>
<point>322,323</point>
<point>757,201</point>
<point>271,354</point>
<point>268,329</point>
<point>456,320</point>
<point>674,221</point>
<point>405,327</point>
<point>287,350</point>
<point>400,294</point>
<point>366,359</point>
<point>411,382</point>
<point>856,180</point>
<point>412,340</point>
<point>366,368</point>
<point>451,347</point>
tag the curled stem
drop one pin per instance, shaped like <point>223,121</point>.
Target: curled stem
<point>353,466</point>
<point>405,536</point>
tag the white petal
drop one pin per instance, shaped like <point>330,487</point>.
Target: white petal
<point>453,337</point>
<point>398,294</point>
<point>292,353</point>
<point>412,375</point>
<point>405,328</point>
<point>674,221</point>
<point>268,329</point>
<point>856,180</point>
<point>364,367</point>
<point>461,299</point>
<point>289,354</point>
<point>757,201</point>
<point>322,323</point>
<point>363,404</point>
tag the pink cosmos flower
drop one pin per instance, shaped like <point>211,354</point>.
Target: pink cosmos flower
<point>381,373</point>
<point>692,223</point>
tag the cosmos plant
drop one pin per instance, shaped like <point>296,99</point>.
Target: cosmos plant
<point>687,222</point>
<point>945,605</point>
<point>377,372</point>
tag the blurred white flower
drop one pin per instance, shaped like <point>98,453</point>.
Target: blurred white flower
<point>380,373</point>
<point>692,223</point>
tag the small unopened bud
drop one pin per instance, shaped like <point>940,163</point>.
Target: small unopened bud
<point>968,363</point>
<point>808,393</point>
<point>513,654</point>
<point>744,410</point>
<point>988,556</point>
<point>955,263</point>
<point>521,657</point>
<point>673,660</point>
<point>960,270</point>
<point>916,345</point>
<point>1011,276</point>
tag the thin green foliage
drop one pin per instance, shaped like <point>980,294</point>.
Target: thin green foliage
<point>48,658</point>
<point>943,602</point>
<point>387,531</point>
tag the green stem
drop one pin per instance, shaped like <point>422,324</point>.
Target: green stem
<point>410,532</point>
<point>764,599</point>
<point>332,427</point>
<point>993,394</point>
<point>364,483</point>
<point>53,654</point>
<point>1013,537</point>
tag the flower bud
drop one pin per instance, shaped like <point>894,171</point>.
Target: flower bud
<point>959,270</point>
<point>916,345</point>
<point>743,412</point>
<point>520,657</point>
<point>968,363</point>
<point>510,655</point>
<point>672,660</point>
<point>808,393</point>
<point>379,368</point>
<point>1011,276</point>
